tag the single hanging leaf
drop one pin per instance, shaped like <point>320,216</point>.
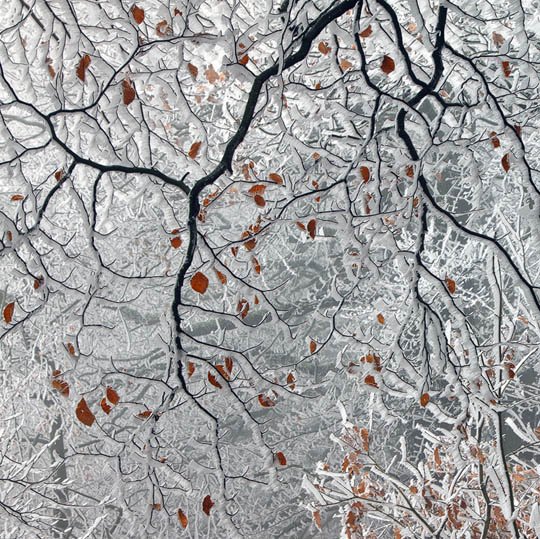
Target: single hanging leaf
<point>163,29</point>
<point>138,13</point>
<point>506,69</point>
<point>345,64</point>
<point>176,242</point>
<point>145,414</point>
<point>128,92</point>
<point>324,48</point>
<point>451,285</point>
<point>223,371</point>
<point>16,198</point>
<point>190,368</point>
<point>370,380</point>
<point>70,349</point>
<point>105,406</point>
<point>222,277</point>
<point>259,200</point>
<point>291,381</point>
<point>312,228</point>
<point>495,142</point>
<point>244,60</point>
<point>437,457</point>
<point>265,401</point>
<point>229,363</point>
<point>312,346</point>
<point>60,384</point>
<point>317,519</point>
<point>424,399</point>
<point>213,380</point>
<point>207,504</point>
<point>365,173</point>
<point>112,395</point>
<point>193,70</point>
<point>84,414</point>
<point>388,65</point>
<point>256,265</point>
<point>364,434</point>
<point>505,162</point>
<point>257,189</point>
<point>211,75</point>
<point>82,66</point>
<point>281,458</point>
<point>199,282</point>
<point>276,178</point>
<point>498,39</point>
<point>182,518</point>
<point>8,312</point>
<point>194,150</point>
<point>380,318</point>
<point>366,32</point>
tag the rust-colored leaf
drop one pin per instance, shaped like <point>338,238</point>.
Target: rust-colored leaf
<point>234,250</point>
<point>380,318</point>
<point>193,70</point>
<point>207,504</point>
<point>112,395</point>
<point>257,189</point>
<point>190,368</point>
<point>163,29</point>
<point>59,174</point>
<point>424,399</point>
<point>498,39</point>
<point>194,149</point>
<point>156,506</point>
<point>291,381</point>
<point>265,401</point>
<point>505,162</point>
<point>9,309</point>
<point>317,519</point>
<point>84,414</point>
<point>244,60</point>
<point>199,282</point>
<point>281,458</point>
<point>145,414</point>
<point>38,281</point>
<point>323,47</point>
<point>366,32</point>
<point>345,64</point>
<point>365,173</point>
<point>300,225</point>
<point>276,178</point>
<point>229,363</point>
<point>70,349</point>
<point>388,65</point>
<point>256,265</point>
<point>16,198</point>
<point>176,242</point>
<point>312,346</point>
<point>223,371</point>
<point>370,380</point>
<point>315,156</point>
<point>182,518</point>
<point>437,457</point>
<point>495,142</point>
<point>128,92</point>
<point>213,380</point>
<point>451,285</point>
<point>312,228</point>
<point>250,244</point>
<point>105,406</point>
<point>138,13</point>
<point>221,276</point>
<point>60,384</point>
<point>364,435</point>
<point>211,75</point>
<point>259,200</point>
<point>82,66</point>
<point>506,69</point>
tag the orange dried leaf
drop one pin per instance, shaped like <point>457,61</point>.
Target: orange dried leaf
<point>409,171</point>
<point>138,13</point>
<point>506,69</point>
<point>105,406</point>
<point>365,173</point>
<point>312,346</point>
<point>364,434</point>
<point>259,200</point>
<point>211,75</point>
<point>234,250</point>
<point>345,64</point>
<point>366,32</point>
<point>223,371</point>
<point>424,399</point>
<point>156,506</point>
<point>257,189</point>
<point>229,363</point>
<point>82,66</point>
<point>70,349</point>
<point>388,65</point>
<point>281,458</point>
<point>276,178</point>
<point>265,401</point>
<point>244,60</point>
<point>60,385</point>
<point>8,312</point>
<point>437,457</point>
<point>317,519</point>
<point>380,318</point>
<point>182,518</point>
<point>128,92</point>
<point>194,150</point>
<point>250,244</point>
<point>300,225</point>
<point>222,277</point>
<point>256,265</point>
<point>213,380</point>
<point>190,368</point>
<point>176,242</point>
<point>163,29</point>
<point>370,381</point>
<point>59,174</point>
<point>15,198</point>
<point>207,504</point>
<point>145,414</point>
<point>312,228</point>
<point>315,156</point>
<point>84,414</point>
<point>451,285</point>
<point>112,395</point>
<point>199,282</point>
<point>323,47</point>
<point>193,70</point>
<point>495,142</point>
<point>291,381</point>
<point>505,162</point>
